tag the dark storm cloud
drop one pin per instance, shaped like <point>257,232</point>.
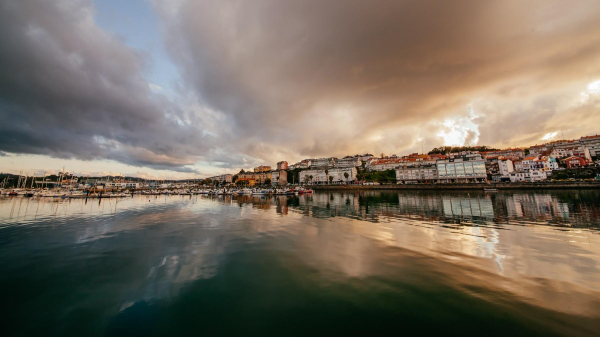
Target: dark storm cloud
<point>69,90</point>
<point>325,77</point>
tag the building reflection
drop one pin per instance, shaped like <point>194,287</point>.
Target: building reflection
<point>468,208</point>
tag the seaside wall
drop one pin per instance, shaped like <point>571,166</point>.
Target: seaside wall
<point>509,186</point>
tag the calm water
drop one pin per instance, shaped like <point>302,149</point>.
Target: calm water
<point>403,263</point>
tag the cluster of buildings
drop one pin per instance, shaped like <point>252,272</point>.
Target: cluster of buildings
<point>512,164</point>
<point>264,174</point>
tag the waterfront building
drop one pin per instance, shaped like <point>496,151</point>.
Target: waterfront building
<point>222,179</point>
<point>466,166</point>
<point>528,176</point>
<point>279,178</point>
<point>416,173</point>
<point>262,169</point>
<point>258,177</point>
<point>319,176</point>
<point>282,165</point>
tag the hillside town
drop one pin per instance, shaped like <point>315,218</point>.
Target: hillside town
<point>562,160</point>
<point>478,164</point>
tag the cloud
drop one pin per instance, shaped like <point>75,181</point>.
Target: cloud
<point>338,77</point>
<point>265,80</point>
<point>70,90</point>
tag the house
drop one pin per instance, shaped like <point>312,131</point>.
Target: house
<point>573,162</point>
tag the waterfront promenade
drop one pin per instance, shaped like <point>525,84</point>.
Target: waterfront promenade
<point>445,187</point>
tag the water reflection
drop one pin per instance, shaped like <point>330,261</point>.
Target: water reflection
<point>562,208</point>
<point>525,263</point>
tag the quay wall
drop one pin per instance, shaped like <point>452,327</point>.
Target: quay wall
<point>443,187</point>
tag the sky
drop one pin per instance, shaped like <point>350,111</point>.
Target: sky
<point>168,89</point>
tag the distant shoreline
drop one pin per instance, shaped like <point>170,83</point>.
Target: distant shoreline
<point>444,187</point>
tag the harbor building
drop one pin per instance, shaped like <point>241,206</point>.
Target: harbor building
<point>319,176</point>
<point>416,173</point>
<point>279,178</point>
<point>465,167</point>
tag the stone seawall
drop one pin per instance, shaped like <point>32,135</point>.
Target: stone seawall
<point>511,186</point>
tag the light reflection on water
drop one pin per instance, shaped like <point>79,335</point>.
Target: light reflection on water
<point>525,263</point>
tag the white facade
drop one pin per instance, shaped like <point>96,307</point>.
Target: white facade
<point>528,176</point>
<point>121,185</point>
<point>592,143</point>
<point>505,167</point>
<point>349,162</point>
<point>306,163</point>
<point>320,177</point>
<point>279,178</point>
<point>416,173</point>
<point>466,167</point>
<point>324,162</point>
<point>383,164</point>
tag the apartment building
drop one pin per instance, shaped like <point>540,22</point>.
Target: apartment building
<point>528,176</point>
<point>462,167</point>
<point>279,178</point>
<point>592,143</point>
<point>319,176</point>
<point>416,173</point>
<point>324,162</point>
<point>349,162</point>
<point>282,165</point>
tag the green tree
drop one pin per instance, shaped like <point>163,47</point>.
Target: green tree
<point>346,175</point>
<point>268,181</point>
<point>330,179</point>
<point>311,178</point>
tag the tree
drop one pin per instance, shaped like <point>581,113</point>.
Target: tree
<point>268,181</point>
<point>330,179</point>
<point>326,172</point>
<point>311,178</point>
<point>346,175</point>
<point>306,178</point>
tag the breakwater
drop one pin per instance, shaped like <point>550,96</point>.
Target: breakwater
<point>444,187</point>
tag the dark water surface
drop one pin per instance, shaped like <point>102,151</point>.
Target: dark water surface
<point>399,263</point>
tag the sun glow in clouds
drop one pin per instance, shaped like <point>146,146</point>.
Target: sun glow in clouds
<point>549,135</point>
<point>592,89</point>
<point>460,130</point>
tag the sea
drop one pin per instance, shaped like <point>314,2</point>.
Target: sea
<point>369,263</point>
